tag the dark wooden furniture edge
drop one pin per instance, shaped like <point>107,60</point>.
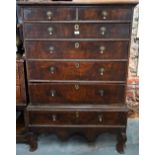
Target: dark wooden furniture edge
<point>81,2</point>
<point>69,107</point>
<point>22,134</point>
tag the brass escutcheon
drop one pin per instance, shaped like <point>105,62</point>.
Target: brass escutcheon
<point>77,45</point>
<point>77,65</point>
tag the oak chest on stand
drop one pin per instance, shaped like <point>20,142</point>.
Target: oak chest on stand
<point>77,55</point>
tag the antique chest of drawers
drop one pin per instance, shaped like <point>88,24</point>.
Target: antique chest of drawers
<point>77,62</point>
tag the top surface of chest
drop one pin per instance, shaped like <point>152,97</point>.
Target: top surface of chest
<point>78,2</point>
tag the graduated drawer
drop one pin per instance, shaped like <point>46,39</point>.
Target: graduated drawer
<point>76,118</point>
<point>81,30</point>
<point>105,13</point>
<point>49,13</point>
<point>76,93</point>
<point>77,70</point>
<point>76,49</point>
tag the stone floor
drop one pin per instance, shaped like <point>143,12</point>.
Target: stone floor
<point>104,145</point>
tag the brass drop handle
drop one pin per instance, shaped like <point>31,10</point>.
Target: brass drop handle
<point>77,65</point>
<point>51,49</point>
<point>103,30</point>
<point>53,93</point>
<point>52,117</point>
<point>76,29</point>
<point>101,70</point>
<point>102,49</point>
<point>49,15</point>
<point>77,87</point>
<point>100,118</point>
<point>77,114</point>
<point>101,92</point>
<point>104,14</point>
<point>50,30</point>
<point>52,70</point>
<point>77,45</point>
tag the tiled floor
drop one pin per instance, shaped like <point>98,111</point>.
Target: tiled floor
<point>104,145</point>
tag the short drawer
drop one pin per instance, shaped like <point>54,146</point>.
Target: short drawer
<point>66,30</point>
<point>76,118</point>
<point>105,13</point>
<point>76,49</point>
<point>70,70</point>
<point>49,13</point>
<point>76,93</point>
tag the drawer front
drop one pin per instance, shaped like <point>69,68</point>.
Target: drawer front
<point>58,93</point>
<point>66,30</point>
<point>61,70</point>
<point>49,13</point>
<point>76,118</point>
<point>76,49</point>
<point>105,13</point>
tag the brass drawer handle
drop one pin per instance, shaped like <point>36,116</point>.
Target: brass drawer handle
<point>77,87</point>
<point>76,29</point>
<point>49,15</point>
<point>101,70</point>
<point>103,30</point>
<point>52,117</point>
<point>102,49</point>
<point>77,114</point>
<point>104,14</point>
<point>52,70</point>
<point>101,92</point>
<point>77,45</point>
<point>53,93</point>
<point>100,118</point>
<point>77,65</point>
<point>51,49</point>
<point>50,30</point>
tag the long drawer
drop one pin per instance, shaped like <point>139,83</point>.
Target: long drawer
<point>76,118</point>
<point>61,13</point>
<point>76,49</point>
<point>77,70</point>
<point>81,30</point>
<point>76,93</point>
